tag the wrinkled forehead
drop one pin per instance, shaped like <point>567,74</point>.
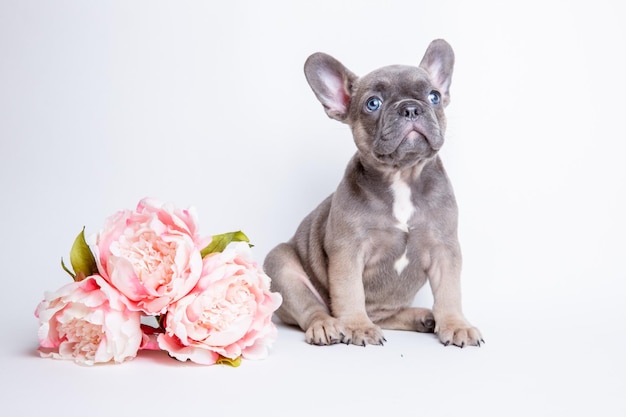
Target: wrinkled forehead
<point>398,77</point>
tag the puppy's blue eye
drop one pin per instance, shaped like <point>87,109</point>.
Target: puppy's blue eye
<point>373,104</point>
<point>434,97</point>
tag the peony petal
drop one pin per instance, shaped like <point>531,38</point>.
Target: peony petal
<point>183,353</point>
<point>235,332</point>
<point>149,341</point>
<point>258,351</point>
<point>124,278</point>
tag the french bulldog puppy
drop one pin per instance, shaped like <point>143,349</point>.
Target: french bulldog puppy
<point>357,261</point>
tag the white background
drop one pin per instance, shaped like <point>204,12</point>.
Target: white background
<point>205,104</point>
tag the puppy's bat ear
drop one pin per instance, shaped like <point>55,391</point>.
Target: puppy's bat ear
<point>331,82</point>
<point>438,61</point>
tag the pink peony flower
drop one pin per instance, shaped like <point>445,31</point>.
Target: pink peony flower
<point>227,314</point>
<point>88,322</point>
<point>151,255</point>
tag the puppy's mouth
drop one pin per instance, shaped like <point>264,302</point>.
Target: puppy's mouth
<point>413,136</point>
<point>414,144</point>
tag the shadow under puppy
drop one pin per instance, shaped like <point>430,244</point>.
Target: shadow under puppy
<point>356,262</point>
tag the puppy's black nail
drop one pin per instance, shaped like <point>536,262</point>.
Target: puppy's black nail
<point>363,343</point>
<point>446,343</point>
<point>482,341</point>
<point>462,345</point>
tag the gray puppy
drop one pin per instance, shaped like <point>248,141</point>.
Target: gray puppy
<point>356,262</point>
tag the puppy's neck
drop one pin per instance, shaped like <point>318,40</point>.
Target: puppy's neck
<point>388,174</point>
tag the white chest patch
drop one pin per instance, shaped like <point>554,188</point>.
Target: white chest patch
<point>401,263</point>
<point>403,207</point>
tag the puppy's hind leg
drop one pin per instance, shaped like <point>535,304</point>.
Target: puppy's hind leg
<point>302,304</point>
<point>410,318</point>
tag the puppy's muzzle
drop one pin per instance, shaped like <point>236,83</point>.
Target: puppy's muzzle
<point>408,127</point>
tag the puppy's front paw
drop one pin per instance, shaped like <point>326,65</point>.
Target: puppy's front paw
<point>329,331</point>
<point>457,331</point>
<point>325,331</point>
<point>363,334</point>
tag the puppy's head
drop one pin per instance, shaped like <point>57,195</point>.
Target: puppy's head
<point>396,112</point>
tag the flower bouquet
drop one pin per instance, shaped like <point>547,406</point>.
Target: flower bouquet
<point>210,302</point>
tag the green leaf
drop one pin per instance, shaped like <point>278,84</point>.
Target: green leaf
<point>66,269</point>
<point>81,258</point>
<point>219,242</point>
<point>230,362</point>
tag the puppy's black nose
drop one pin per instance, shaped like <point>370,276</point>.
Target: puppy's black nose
<point>411,112</point>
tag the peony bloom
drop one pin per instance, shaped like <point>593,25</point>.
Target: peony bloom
<point>151,255</point>
<point>88,322</point>
<point>227,314</point>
